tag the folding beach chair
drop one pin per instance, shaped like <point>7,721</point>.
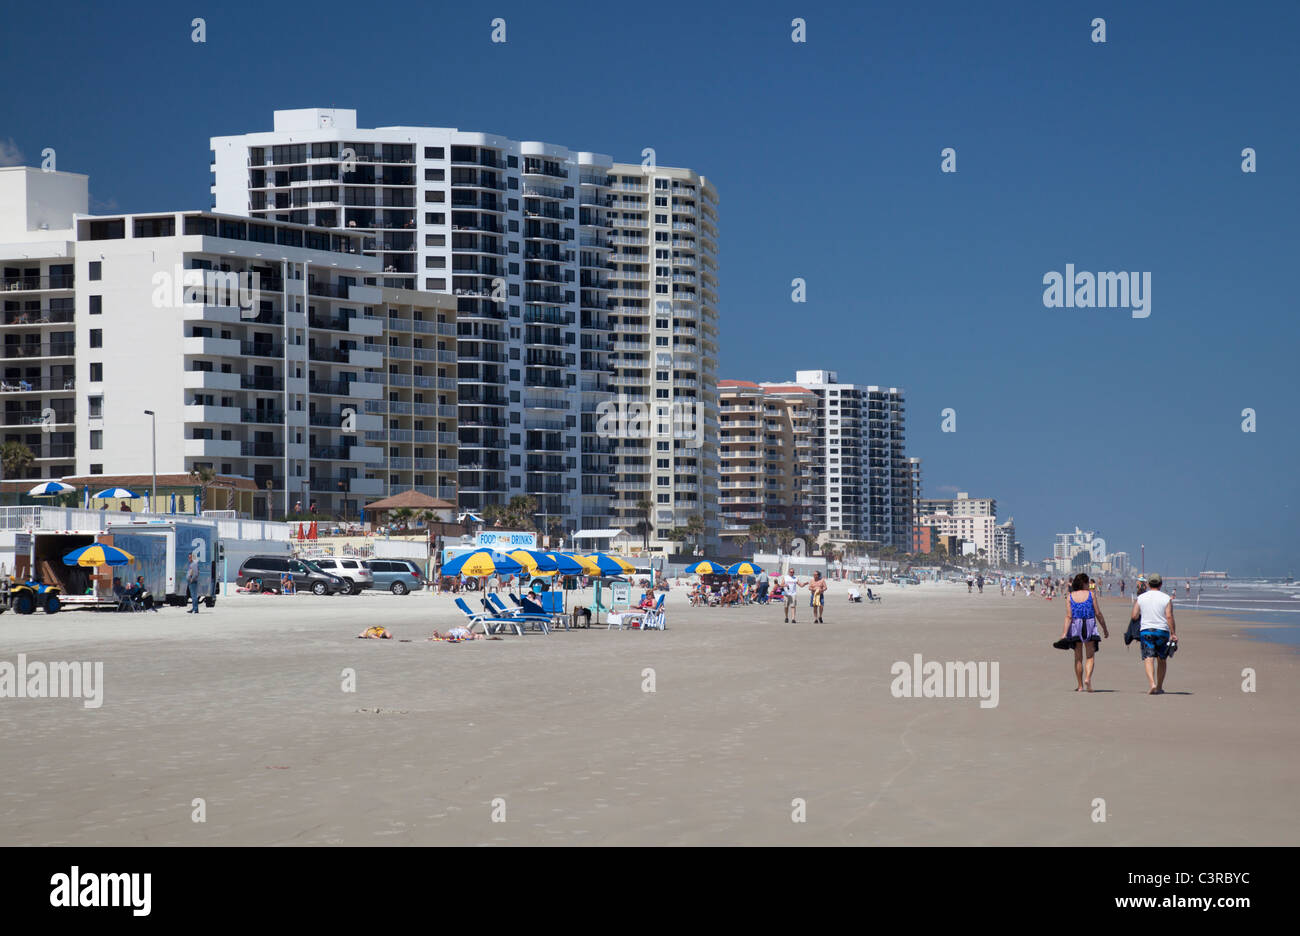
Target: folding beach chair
<point>489,624</point>
<point>873,597</point>
<point>645,619</point>
<point>498,608</point>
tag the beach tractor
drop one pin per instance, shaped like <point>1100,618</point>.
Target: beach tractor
<point>26,597</point>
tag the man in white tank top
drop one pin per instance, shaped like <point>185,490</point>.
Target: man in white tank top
<point>1157,631</point>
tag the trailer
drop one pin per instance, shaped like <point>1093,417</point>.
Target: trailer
<point>80,586</point>
<point>179,539</point>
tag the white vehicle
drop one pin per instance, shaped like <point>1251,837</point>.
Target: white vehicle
<point>354,573</point>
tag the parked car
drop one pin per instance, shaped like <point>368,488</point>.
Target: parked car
<point>399,576</point>
<point>355,575</point>
<point>307,576</point>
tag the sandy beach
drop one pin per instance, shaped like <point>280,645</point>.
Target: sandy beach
<point>243,708</point>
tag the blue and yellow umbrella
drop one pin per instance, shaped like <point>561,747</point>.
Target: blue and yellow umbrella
<point>98,554</point>
<point>704,567</point>
<point>744,568</point>
<point>611,565</point>
<point>482,562</point>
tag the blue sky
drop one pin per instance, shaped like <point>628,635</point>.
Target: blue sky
<point>1115,156</point>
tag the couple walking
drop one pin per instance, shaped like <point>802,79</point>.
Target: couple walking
<point>1151,623</point>
<point>790,585</point>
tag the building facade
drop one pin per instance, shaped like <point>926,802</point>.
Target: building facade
<point>254,349</point>
<point>548,253</point>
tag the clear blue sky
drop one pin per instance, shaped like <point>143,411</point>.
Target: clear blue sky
<point>1122,156</point>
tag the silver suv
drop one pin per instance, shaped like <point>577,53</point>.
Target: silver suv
<point>354,573</point>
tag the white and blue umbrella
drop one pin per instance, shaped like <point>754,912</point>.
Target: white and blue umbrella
<point>120,493</point>
<point>50,489</point>
<point>173,510</point>
<point>147,505</point>
<point>85,496</point>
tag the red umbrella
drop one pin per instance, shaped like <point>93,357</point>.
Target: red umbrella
<point>300,536</point>
<point>311,534</point>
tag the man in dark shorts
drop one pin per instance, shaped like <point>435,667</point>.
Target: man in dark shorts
<point>1157,631</point>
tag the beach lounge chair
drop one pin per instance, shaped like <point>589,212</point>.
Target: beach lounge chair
<point>489,624</point>
<point>650,619</point>
<point>873,597</point>
<point>498,608</point>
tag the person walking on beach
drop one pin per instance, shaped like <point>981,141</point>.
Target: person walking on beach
<point>789,585</point>
<point>1082,617</point>
<point>192,583</point>
<point>1157,631</point>
<point>979,582</point>
<point>818,587</point>
<point>970,582</point>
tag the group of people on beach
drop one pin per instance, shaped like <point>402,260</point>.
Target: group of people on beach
<point>781,589</point>
<point>1151,623</point>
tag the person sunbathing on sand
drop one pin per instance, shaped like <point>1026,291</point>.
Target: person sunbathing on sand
<point>457,634</point>
<point>376,633</point>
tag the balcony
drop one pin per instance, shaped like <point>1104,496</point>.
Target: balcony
<point>40,349</point>
<point>35,283</point>
<point>198,413</point>
<point>218,347</point>
<point>211,448</point>
<point>210,380</point>
<point>39,317</point>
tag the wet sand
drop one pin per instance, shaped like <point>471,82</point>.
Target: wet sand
<point>243,707</point>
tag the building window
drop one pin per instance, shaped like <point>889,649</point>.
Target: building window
<point>95,407</point>
<point>433,152</point>
<point>96,372</point>
<point>96,469</point>
<point>439,283</point>
<point>97,338</point>
<point>96,270</point>
<point>435,217</point>
<point>435,195</point>
<point>97,439</point>
<point>434,175</point>
<point>96,305</point>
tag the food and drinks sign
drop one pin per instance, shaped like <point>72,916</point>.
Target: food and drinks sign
<point>505,541</point>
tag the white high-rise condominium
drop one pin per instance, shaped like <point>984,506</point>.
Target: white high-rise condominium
<point>522,234</point>
<point>263,350</point>
<point>664,312</point>
<point>860,482</point>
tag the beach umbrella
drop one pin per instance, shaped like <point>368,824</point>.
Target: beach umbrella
<point>704,567</point>
<point>534,563</point>
<point>98,554</point>
<point>85,497</point>
<point>744,568</point>
<point>173,510</point>
<point>566,564</point>
<point>482,562</point>
<point>50,489</point>
<point>312,532</point>
<point>300,536</point>
<point>120,493</point>
<point>610,565</point>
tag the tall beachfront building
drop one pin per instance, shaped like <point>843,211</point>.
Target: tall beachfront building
<point>39,298</point>
<point>530,238</point>
<point>765,450</point>
<point>664,313</point>
<point>859,482</point>
<point>257,349</point>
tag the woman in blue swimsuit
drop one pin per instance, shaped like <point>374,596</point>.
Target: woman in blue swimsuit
<point>1082,617</point>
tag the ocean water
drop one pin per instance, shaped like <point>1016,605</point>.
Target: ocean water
<point>1260,601</point>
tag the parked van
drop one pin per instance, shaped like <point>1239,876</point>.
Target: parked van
<point>354,574</point>
<point>399,576</point>
<point>307,576</point>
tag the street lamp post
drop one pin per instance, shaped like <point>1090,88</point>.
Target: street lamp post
<point>1144,558</point>
<point>153,438</point>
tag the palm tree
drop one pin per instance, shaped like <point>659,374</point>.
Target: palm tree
<point>204,478</point>
<point>521,513</point>
<point>647,510</point>
<point>16,458</point>
<point>695,528</point>
<point>402,516</point>
<point>759,533</point>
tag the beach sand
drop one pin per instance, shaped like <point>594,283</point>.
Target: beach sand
<point>242,707</point>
